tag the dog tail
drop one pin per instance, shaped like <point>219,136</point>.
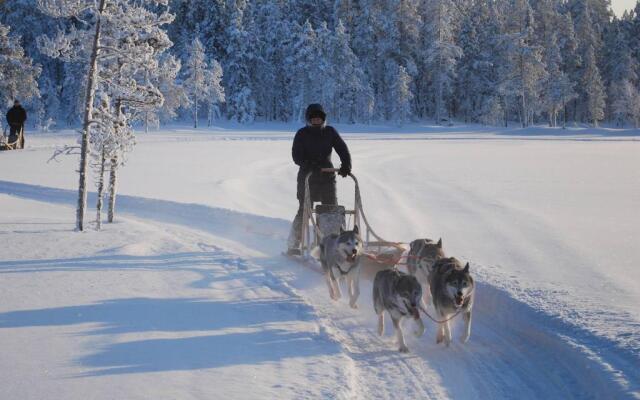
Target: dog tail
<point>315,253</point>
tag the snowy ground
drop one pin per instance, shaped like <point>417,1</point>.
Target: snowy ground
<point>187,297</point>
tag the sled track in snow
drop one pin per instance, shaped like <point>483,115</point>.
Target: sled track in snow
<point>514,349</point>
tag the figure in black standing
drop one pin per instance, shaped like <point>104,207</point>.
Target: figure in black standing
<point>16,116</point>
<point>312,147</point>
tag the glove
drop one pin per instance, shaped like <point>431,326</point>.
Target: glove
<point>345,170</point>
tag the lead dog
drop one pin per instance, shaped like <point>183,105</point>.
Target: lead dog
<point>423,254</point>
<point>399,294</point>
<point>340,258</point>
<point>452,291</point>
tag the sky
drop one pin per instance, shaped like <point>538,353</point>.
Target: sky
<point>620,5</point>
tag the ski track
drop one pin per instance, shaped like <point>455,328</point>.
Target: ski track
<point>516,349</point>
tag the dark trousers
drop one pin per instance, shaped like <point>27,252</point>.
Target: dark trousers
<point>325,193</point>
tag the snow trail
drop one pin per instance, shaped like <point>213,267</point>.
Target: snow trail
<point>537,332</point>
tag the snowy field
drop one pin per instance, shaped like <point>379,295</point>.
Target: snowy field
<point>187,296</point>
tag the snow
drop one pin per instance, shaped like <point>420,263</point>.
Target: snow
<point>186,295</point>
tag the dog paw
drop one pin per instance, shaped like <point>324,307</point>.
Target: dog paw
<point>403,349</point>
<point>354,306</point>
<point>464,339</point>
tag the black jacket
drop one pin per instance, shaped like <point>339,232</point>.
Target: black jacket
<point>312,147</point>
<point>16,115</point>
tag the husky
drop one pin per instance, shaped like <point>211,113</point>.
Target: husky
<point>340,258</point>
<point>423,253</point>
<point>452,291</point>
<point>399,294</point>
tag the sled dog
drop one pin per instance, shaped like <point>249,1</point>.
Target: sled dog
<point>423,253</point>
<point>452,292</point>
<point>399,294</point>
<point>340,258</point>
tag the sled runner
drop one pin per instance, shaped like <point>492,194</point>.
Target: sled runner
<point>8,142</point>
<point>324,220</point>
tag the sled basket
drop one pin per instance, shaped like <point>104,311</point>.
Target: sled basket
<point>330,218</point>
<point>324,220</point>
<point>8,142</point>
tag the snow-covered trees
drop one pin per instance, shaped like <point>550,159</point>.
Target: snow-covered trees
<point>441,55</point>
<point>352,97</point>
<point>215,91</point>
<point>119,42</point>
<point>305,70</point>
<point>111,138</point>
<point>558,88</point>
<point>241,105</point>
<point>401,95</point>
<point>593,89</point>
<point>18,76</point>
<point>478,61</point>
<point>525,72</point>
<point>195,79</point>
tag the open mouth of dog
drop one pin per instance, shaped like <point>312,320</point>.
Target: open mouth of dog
<point>458,300</point>
<point>351,257</point>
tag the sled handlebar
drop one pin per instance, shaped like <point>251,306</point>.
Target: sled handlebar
<point>330,170</point>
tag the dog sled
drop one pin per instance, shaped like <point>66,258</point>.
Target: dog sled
<point>8,142</point>
<point>323,220</point>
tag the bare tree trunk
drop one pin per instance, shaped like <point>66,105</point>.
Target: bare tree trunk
<point>113,175</point>
<point>113,182</point>
<point>103,162</point>
<point>88,111</point>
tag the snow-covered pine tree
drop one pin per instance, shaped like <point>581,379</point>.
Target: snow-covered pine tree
<point>441,55</point>
<point>304,70</point>
<point>353,97</point>
<point>196,79</point>
<point>271,31</point>
<point>571,62</point>
<point>559,89</point>
<point>215,91</point>
<point>525,71</point>
<point>589,34</point>
<point>401,94</point>
<point>173,92</point>
<point>593,88</point>
<point>241,54</point>
<point>18,76</point>
<point>326,72</point>
<point>621,74</point>
<point>477,76</point>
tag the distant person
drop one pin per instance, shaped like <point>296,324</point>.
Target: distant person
<point>311,151</point>
<point>16,117</point>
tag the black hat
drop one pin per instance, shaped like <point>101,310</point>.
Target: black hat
<point>315,110</point>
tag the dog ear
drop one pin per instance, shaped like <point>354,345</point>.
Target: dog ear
<point>466,268</point>
<point>355,229</point>
<point>440,243</point>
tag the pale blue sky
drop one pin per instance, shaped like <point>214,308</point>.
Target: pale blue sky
<point>620,5</point>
